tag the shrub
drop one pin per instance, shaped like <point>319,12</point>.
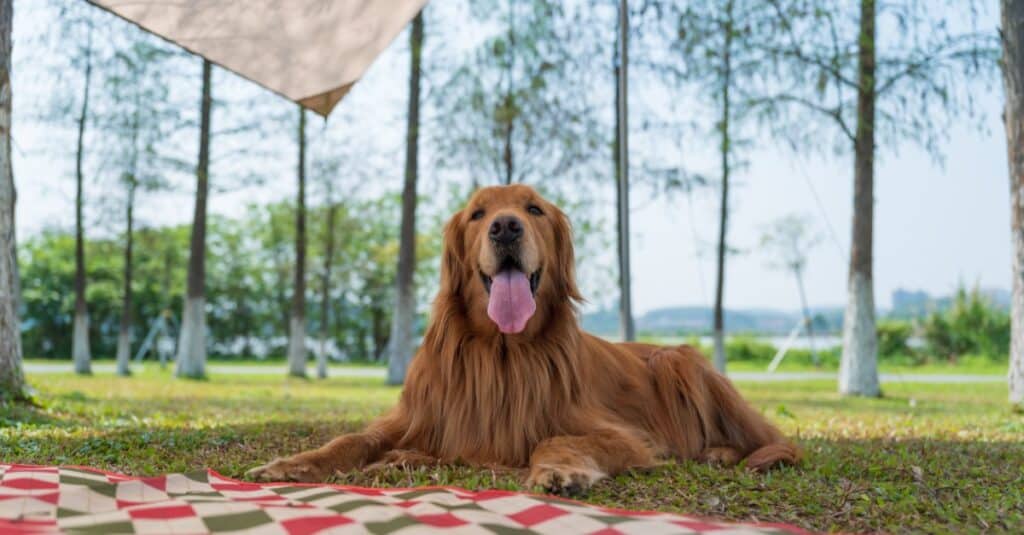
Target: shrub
<point>971,325</point>
<point>748,349</point>
<point>893,336</point>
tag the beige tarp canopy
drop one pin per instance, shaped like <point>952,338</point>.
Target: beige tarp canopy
<point>309,51</point>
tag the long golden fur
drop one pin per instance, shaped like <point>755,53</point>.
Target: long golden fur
<point>571,407</point>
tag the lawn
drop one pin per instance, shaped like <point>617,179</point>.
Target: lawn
<point>931,458</point>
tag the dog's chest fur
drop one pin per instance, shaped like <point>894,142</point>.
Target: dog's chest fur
<point>493,402</point>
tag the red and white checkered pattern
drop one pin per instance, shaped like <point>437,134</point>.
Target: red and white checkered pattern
<point>41,499</point>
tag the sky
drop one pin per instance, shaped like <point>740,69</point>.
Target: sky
<point>936,225</point>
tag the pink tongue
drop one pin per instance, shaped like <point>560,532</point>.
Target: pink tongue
<point>511,304</point>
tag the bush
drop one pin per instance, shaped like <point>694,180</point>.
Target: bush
<point>893,336</point>
<point>748,349</point>
<point>971,325</point>
<point>893,343</point>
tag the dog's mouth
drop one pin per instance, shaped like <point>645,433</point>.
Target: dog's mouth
<point>511,294</point>
<point>534,281</point>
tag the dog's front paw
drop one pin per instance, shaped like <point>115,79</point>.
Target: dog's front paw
<point>293,469</point>
<point>721,456</point>
<point>563,480</point>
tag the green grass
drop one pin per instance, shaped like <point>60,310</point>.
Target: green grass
<point>929,458</point>
<point>967,367</point>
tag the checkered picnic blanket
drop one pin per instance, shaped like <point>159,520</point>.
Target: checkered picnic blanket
<point>46,499</point>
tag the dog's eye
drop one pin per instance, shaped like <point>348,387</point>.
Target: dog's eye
<point>477,215</point>
<point>534,210</point>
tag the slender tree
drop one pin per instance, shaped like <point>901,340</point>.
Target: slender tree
<point>191,360</point>
<point>12,379</point>
<point>789,240</point>
<point>724,47</point>
<point>135,119</point>
<point>858,369</point>
<point>510,115</point>
<point>131,184</point>
<point>124,336</point>
<point>1013,82</point>
<point>925,63</point>
<point>509,98</point>
<point>297,336</point>
<point>400,345</point>
<point>725,142</point>
<point>80,350</point>
<point>330,245</point>
<point>621,160</point>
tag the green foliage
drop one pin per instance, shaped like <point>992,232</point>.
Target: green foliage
<point>512,107</point>
<point>893,338</point>
<point>742,348</point>
<point>47,274</point>
<point>971,325</point>
<point>750,350</point>
<point>249,280</point>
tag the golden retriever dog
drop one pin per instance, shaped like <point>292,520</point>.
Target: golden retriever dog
<point>505,376</point>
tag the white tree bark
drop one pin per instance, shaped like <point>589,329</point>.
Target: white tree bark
<point>297,346</point>
<point>80,343</point>
<point>321,360</point>
<point>124,356</point>
<point>1013,81</point>
<point>191,360</point>
<point>719,360</point>
<point>858,369</point>
<point>400,345</point>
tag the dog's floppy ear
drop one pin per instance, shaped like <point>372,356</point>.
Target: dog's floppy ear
<point>564,270</point>
<point>452,256</point>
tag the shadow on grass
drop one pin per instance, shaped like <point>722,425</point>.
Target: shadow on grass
<point>843,484</point>
<point>19,414</point>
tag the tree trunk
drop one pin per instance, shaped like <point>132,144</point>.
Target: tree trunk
<point>192,341</point>
<point>124,336</point>
<point>12,379</point>
<point>1013,80</point>
<point>858,371</point>
<point>165,290</point>
<point>379,331</point>
<point>80,351</point>
<point>325,286</point>
<point>723,214</point>
<point>508,156</point>
<point>297,336</point>
<point>622,173</point>
<point>282,271</point>
<point>400,346</point>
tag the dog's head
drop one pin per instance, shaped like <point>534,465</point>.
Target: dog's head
<point>508,256</point>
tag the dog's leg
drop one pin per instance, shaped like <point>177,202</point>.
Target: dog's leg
<point>404,459</point>
<point>722,456</point>
<point>571,464</point>
<point>342,454</point>
<point>704,417</point>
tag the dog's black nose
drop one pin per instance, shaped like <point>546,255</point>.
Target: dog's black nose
<point>506,229</point>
